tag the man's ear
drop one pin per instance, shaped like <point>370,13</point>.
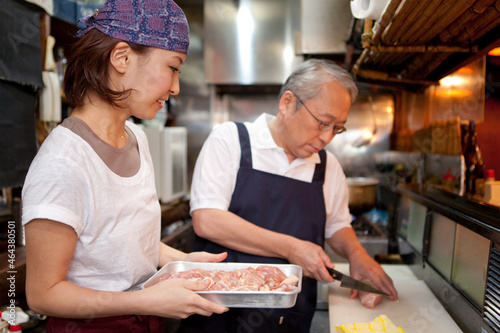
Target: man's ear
<point>287,103</point>
<point>120,57</point>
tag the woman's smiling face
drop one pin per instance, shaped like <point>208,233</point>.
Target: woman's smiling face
<point>153,78</point>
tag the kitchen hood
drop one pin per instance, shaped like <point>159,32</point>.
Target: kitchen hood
<point>260,42</point>
<point>250,42</point>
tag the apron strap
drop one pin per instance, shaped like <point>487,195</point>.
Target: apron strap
<point>246,151</point>
<point>319,172</point>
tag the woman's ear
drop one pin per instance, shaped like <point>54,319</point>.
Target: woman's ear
<point>119,57</point>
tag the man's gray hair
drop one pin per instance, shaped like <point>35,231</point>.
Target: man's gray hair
<point>310,76</point>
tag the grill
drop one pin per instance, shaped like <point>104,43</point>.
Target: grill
<point>363,226</point>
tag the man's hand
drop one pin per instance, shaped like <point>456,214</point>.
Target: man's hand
<point>312,258</point>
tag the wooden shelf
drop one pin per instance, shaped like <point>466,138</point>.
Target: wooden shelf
<point>182,238</point>
<point>5,215</point>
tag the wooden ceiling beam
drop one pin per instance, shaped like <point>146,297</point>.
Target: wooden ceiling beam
<point>409,13</point>
<point>447,17</point>
<point>417,42</point>
<point>422,48</point>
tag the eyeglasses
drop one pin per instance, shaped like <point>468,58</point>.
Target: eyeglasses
<point>322,125</point>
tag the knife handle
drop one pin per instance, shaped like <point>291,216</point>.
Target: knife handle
<point>335,274</point>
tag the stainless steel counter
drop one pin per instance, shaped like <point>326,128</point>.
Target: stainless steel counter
<point>458,240</point>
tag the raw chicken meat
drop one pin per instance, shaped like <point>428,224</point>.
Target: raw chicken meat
<point>262,278</point>
<point>370,300</point>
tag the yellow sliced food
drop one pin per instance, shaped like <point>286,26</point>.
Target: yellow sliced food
<point>379,324</point>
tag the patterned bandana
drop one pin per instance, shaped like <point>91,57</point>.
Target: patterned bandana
<point>156,23</point>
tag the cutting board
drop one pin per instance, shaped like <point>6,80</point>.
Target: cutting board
<point>416,311</point>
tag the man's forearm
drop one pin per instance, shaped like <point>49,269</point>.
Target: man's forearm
<point>233,232</point>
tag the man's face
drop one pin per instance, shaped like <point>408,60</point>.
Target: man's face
<point>303,134</point>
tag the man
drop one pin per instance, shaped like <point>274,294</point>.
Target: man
<point>267,192</point>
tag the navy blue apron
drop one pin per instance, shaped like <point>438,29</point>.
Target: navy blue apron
<point>277,203</point>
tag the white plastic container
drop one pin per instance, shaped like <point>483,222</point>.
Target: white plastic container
<point>492,192</point>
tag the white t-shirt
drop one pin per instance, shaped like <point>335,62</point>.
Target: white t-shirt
<point>216,169</point>
<point>117,219</point>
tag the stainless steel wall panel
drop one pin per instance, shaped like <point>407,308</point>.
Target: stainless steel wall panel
<point>442,242</point>
<point>416,225</point>
<point>324,26</point>
<point>250,41</point>
<point>470,263</point>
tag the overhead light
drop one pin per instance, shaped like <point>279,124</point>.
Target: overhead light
<point>494,52</point>
<point>453,92</point>
<point>465,70</point>
<point>456,84</point>
<point>451,80</point>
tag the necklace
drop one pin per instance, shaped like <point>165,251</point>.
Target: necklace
<point>121,136</point>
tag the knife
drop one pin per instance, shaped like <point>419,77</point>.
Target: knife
<point>349,282</point>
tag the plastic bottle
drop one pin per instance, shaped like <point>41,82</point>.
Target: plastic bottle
<point>449,181</point>
<point>15,328</point>
<point>15,323</point>
<point>474,166</point>
<point>61,63</point>
<point>490,175</point>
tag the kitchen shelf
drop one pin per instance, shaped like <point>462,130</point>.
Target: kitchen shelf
<point>5,215</point>
<point>177,227</point>
<point>182,238</point>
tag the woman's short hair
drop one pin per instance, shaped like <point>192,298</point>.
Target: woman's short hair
<point>87,69</point>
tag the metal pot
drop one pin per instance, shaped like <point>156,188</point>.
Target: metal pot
<point>362,194</point>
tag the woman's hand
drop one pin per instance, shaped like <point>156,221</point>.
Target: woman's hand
<point>175,298</point>
<point>205,256</point>
<point>169,254</point>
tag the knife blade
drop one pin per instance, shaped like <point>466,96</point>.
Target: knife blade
<point>349,282</point>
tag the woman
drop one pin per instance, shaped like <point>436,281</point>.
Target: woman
<point>90,210</point>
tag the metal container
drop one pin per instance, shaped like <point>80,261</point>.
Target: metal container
<point>240,299</point>
<point>362,194</point>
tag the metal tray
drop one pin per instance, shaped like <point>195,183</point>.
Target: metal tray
<point>236,299</point>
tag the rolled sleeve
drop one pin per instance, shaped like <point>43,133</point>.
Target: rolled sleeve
<point>214,176</point>
<point>54,213</point>
<point>52,191</point>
